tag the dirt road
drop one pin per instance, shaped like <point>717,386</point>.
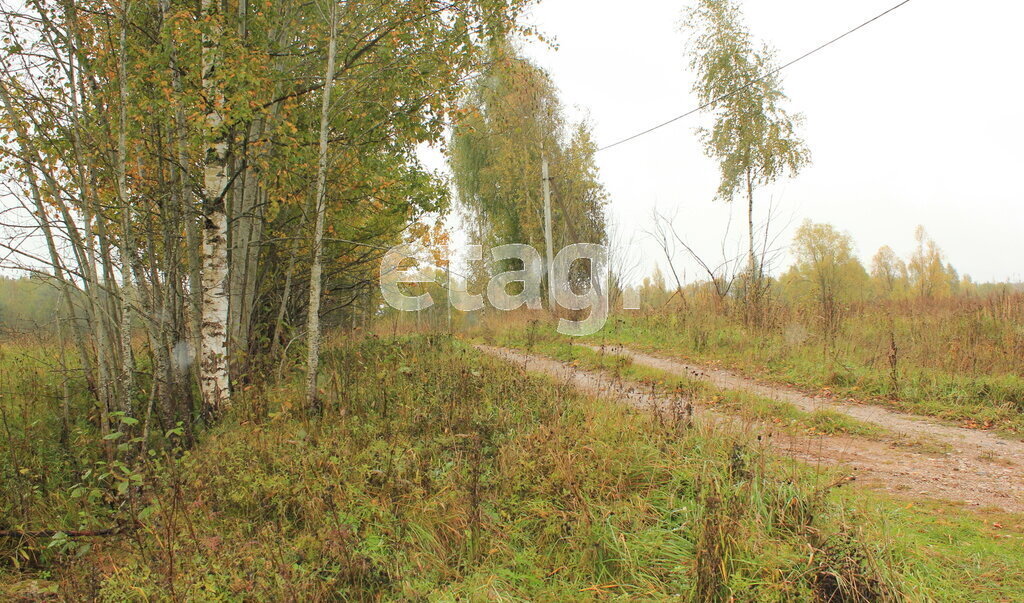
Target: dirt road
<point>978,469</point>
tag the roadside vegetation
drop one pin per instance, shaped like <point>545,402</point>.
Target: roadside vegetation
<point>951,358</point>
<point>913,334</point>
<point>171,427</point>
<point>663,383</point>
<point>434,472</point>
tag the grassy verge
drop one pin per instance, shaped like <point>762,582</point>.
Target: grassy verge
<point>437,473</point>
<point>739,403</point>
<point>947,365</point>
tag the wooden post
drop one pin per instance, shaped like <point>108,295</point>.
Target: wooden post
<point>549,257</point>
<point>448,292</point>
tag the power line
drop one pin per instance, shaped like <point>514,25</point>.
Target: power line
<point>754,81</point>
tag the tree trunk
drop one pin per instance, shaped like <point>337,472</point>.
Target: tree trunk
<point>313,331</point>
<point>127,358</point>
<point>252,264</point>
<point>44,222</point>
<point>186,212</point>
<point>213,366</point>
<point>752,259</point>
<point>246,218</point>
<point>753,289</point>
<point>275,342</point>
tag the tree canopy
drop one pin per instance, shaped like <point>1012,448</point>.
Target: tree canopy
<point>753,138</point>
<point>508,121</point>
<point>826,271</point>
<point>165,152</point>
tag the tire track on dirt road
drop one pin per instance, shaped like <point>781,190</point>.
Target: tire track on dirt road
<point>980,470</point>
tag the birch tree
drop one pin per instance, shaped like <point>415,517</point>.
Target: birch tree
<point>510,119</point>
<point>214,381</point>
<point>320,210</point>
<point>889,272</point>
<point>127,377</point>
<point>930,276</point>
<point>753,138</point>
<point>826,273</point>
<point>164,153</point>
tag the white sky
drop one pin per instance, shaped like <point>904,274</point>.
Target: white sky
<point>915,119</point>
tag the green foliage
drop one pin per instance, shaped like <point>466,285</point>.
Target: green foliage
<point>976,379</point>
<point>929,276</point>
<point>437,473</point>
<point>753,138</point>
<point>28,303</point>
<point>110,111</point>
<point>47,459</point>
<point>678,388</point>
<point>826,273</point>
<point>889,273</point>
<point>508,121</point>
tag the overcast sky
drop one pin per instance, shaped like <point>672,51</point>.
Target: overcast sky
<point>915,119</point>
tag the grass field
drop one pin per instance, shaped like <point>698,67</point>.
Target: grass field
<point>436,473</point>
<point>960,359</point>
<point>739,403</point>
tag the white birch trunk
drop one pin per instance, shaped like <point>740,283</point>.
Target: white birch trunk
<point>127,290</point>
<point>213,366</point>
<point>313,360</point>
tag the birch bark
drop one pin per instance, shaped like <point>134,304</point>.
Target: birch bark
<point>213,365</point>
<point>316,270</point>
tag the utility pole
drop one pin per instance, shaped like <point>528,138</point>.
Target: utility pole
<point>448,290</point>
<point>547,231</point>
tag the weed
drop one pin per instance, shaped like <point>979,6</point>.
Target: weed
<point>444,474</point>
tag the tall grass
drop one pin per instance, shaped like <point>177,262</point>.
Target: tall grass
<point>957,358</point>
<point>47,437</point>
<point>434,472</point>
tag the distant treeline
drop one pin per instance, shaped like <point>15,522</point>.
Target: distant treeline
<point>826,272</point>
<point>27,303</point>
